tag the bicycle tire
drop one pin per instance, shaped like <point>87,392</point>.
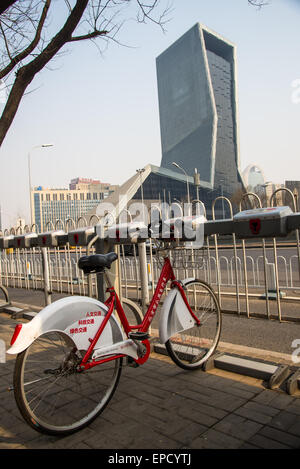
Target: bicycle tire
<point>191,348</point>
<point>52,397</point>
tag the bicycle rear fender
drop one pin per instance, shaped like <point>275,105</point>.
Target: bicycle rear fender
<point>77,316</point>
<point>174,317</point>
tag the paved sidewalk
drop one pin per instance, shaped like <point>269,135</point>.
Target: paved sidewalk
<point>271,339</point>
<point>159,406</point>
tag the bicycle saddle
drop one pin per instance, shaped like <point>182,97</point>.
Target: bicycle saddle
<point>96,262</point>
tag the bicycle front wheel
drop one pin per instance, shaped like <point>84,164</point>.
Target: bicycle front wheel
<point>191,348</point>
<point>52,395</point>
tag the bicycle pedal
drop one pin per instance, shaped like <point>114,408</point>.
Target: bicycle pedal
<point>138,335</point>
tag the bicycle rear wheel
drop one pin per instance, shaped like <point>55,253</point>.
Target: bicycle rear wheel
<point>52,395</point>
<point>191,348</point>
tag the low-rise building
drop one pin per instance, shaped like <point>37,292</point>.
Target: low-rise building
<point>53,206</point>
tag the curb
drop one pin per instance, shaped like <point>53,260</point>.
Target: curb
<point>18,313</point>
<point>273,374</point>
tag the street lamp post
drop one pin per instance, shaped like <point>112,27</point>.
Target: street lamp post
<point>142,253</point>
<point>140,171</point>
<point>222,195</point>
<point>44,145</point>
<point>197,182</point>
<point>187,181</point>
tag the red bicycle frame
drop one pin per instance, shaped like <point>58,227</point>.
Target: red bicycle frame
<point>113,302</point>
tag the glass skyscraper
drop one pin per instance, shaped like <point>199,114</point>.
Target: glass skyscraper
<point>197,93</point>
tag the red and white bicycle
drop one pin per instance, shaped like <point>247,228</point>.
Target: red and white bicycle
<point>69,357</point>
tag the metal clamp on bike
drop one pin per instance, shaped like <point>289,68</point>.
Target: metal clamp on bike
<point>137,337</point>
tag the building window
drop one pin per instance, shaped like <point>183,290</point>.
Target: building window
<point>62,197</point>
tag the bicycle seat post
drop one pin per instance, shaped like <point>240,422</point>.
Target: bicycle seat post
<point>107,279</point>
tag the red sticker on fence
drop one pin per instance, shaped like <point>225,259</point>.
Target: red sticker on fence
<point>255,225</point>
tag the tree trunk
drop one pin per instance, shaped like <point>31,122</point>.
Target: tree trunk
<point>13,102</point>
<point>6,4</point>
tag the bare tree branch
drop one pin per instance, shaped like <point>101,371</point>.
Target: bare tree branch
<point>145,13</point>
<point>257,3</point>
<point>25,74</point>
<point>91,35</point>
<point>27,51</point>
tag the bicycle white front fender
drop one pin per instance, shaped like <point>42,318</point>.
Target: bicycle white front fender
<point>175,316</point>
<point>77,316</point>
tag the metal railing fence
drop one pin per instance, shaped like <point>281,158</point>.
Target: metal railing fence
<point>260,277</point>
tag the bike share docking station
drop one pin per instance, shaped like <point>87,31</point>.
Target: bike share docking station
<point>270,222</point>
<point>260,223</point>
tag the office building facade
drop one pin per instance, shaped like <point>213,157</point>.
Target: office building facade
<point>198,110</point>
<point>197,90</point>
<point>294,187</point>
<point>51,205</point>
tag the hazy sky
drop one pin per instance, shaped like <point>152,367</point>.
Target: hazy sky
<point>101,111</point>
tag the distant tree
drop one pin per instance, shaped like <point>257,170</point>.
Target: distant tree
<point>25,48</point>
<point>237,197</point>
